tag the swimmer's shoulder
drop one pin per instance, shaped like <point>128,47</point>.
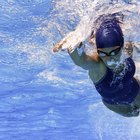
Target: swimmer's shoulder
<point>94,58</point>
<point>99,68</point>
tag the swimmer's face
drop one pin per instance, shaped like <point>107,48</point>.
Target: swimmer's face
<point>110,56</point>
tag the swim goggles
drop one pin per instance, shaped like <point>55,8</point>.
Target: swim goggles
<point>111,53</point>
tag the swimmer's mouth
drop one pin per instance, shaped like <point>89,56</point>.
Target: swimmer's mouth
<point>111,64</point>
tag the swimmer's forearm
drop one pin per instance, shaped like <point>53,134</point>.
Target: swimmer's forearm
<point>78,59</point>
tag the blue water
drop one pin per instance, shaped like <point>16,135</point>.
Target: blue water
<point>44,96</point>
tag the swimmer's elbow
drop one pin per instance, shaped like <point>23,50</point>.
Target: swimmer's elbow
<point>79,63</point>
<point>82,65</point>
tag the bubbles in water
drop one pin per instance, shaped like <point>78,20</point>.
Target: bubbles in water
<point>112,62</point>
<point>35,53</point>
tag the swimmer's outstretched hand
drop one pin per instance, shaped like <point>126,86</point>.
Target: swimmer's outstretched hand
<point>63,46</point>
<point>59,45</point>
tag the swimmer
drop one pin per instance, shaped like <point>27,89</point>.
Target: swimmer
<point>112,76</point>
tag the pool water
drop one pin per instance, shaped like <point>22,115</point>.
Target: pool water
<point>44,96</point>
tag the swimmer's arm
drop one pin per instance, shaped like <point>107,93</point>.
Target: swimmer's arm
<point>73,39</point>
<point>81,60</point>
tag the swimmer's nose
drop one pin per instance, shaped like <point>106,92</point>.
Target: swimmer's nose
<point>107,58</point>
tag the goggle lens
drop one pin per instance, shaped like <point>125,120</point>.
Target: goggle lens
<point>112,53</point>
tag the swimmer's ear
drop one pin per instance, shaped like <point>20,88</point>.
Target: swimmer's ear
<point>128,48</point>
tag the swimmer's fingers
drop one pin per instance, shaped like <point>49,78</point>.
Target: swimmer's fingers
<point>58,46</point>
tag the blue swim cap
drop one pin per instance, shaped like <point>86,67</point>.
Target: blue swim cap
<point>109,34</point>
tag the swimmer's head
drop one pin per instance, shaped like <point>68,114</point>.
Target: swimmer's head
<point>109,34</point>
<point>109,42</point>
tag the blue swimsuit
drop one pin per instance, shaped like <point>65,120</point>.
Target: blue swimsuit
<point>121,89</point>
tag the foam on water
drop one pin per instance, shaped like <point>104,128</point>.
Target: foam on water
<point>131,30</point>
